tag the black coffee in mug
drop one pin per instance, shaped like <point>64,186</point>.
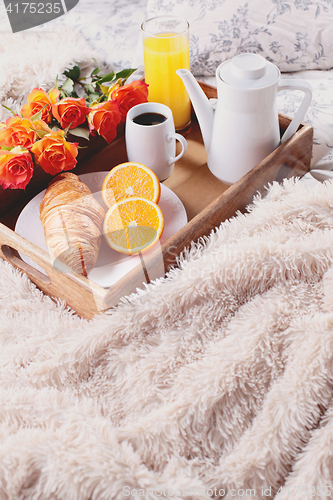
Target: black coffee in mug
<point>149,119</point>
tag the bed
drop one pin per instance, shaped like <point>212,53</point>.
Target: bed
<point>220,30</point>
<point>215,381</point>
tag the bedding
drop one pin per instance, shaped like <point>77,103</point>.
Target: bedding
<point>110,32</point>
<point>218,376</point>
<point>292,34</point>
<point>295,35</point>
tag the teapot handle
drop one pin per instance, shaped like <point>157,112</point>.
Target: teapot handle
<point>290,84</point>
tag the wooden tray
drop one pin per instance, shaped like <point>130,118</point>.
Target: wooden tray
<point>208,202</point>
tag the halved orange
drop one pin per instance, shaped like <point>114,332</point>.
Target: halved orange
<point>128,180</point>
<point>133,225</point>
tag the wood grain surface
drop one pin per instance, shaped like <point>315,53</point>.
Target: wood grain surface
<point>207,201</point>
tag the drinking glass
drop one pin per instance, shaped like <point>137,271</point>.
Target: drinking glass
<point>166,48</point>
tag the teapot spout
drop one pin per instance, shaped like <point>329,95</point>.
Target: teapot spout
<point>201,105</point>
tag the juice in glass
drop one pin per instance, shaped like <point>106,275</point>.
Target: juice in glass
<point>164,53</point>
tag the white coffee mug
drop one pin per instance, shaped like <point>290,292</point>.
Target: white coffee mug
<point>151,138</point>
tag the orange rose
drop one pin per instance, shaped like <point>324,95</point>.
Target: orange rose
<point>54,154</point>
<point>70,111</point>
<point>18,132</point>
<point>37,99</point>
<point>129,95</point>
<point>103,119</point>
<point>16,168</point>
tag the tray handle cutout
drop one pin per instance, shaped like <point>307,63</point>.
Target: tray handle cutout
<point>14,258</point>
<point>79,292</point>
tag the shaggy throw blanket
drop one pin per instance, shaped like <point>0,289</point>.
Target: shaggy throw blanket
<point>219,376</point>
<point>33,59</point>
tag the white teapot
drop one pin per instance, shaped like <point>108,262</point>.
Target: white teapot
<point>244,128</point>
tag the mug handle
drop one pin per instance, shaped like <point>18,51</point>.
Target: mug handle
<point>183,142</point>
<point>290,84</point>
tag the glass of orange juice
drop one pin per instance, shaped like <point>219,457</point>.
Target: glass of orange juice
<point>166,48</point>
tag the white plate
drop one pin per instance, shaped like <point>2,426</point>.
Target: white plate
<point>110,265</point>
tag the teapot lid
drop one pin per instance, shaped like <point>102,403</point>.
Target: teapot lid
<point>248,71</point>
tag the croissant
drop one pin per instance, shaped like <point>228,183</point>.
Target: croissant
<point>72,220</point>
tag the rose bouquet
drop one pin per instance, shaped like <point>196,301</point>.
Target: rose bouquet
<point>38,136</point>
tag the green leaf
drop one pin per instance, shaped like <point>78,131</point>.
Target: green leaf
<point>41,133</point>
<point>90,89</point>
<point>125,73</point>
<point>95,61</point>
<point>81,132</point>
<point>8,109</point>
<point>67,129</point>
<point>68,86</point>
<point>102,98</point>
<point>94,97</point>
<point>95,72</point>
<point>6,148</point>
<point>74,73</point>
<point>106,78</point>
<point>38,116</point>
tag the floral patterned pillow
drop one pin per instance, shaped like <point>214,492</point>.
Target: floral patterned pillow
<point>293,34</point>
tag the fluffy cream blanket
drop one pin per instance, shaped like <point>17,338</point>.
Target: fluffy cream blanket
<point>219,376</point>
<point>32,59</point>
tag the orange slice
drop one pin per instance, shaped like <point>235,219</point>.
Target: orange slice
<point>130,180</point>
<point>133,225</point>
